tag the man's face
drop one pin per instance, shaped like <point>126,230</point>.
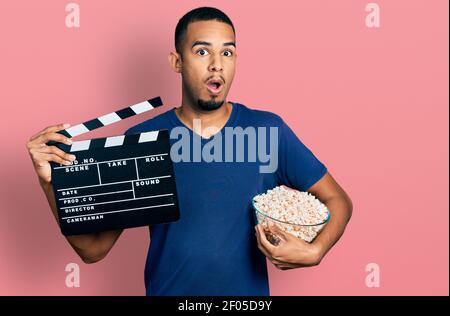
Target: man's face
<point>208,63</point>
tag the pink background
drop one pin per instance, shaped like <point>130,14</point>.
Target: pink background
<point>372,104</point>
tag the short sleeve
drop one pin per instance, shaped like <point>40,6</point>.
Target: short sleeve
<point>298,167</point>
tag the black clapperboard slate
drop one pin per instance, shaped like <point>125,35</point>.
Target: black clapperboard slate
<point>116,182</point>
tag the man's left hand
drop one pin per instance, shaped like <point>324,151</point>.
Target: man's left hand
<point>290,252</point>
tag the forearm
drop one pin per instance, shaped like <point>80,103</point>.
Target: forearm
<point>341,209</point>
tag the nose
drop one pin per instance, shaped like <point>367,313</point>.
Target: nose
<point>215,65</point>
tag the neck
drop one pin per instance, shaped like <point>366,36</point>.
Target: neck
<point>211,121</point>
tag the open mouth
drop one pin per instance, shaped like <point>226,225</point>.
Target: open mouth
<point>214,86</point>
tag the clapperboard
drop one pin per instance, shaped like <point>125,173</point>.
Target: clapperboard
<point>115,182</point>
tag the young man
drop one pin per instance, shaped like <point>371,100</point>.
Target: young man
<point>213,248</point>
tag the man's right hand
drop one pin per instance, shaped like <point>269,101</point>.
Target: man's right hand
<point>90,247</point>
<point>41,154</point>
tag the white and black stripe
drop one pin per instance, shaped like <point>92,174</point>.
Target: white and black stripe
<point>113,141</point>
<point>111,118</point>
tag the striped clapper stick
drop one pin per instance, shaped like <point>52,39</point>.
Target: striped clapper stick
<point>115,182</point>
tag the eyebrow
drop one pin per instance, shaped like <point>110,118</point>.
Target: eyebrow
<point>209,44</point>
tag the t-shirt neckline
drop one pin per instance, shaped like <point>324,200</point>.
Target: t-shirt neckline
<point>231,120</point>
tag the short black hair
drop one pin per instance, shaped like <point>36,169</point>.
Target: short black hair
<point>198,14</point>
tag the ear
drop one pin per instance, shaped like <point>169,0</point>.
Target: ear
<point>175,61</point>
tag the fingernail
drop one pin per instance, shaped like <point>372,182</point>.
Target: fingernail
<point>66,125</point>
<point>69,142</point>
<point>72,157</point>
<point>67,163</point>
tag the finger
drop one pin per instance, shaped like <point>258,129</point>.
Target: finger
<point>271,238</point>
<point>266,253</point>
<point>61,153</point>
<point>45,138</point>
<point>261,248</point>
<point>274,229</point>
<point>287,265</point>
<point>268,256</point>
<point>263,240</point>
<point>49,129</point>
<point>43,159</point>
<point>283,266</point>
<point>258,241</point>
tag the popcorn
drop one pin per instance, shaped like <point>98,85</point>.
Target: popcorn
<point>295,212</point>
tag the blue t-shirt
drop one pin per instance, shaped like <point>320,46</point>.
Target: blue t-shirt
<point>212,249</point>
